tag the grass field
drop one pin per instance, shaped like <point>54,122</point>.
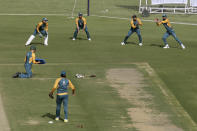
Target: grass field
<point>97,105</point>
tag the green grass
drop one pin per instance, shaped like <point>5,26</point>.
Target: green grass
<point>176,68</point>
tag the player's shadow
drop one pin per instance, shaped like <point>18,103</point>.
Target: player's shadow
<point>156,45</point>
<point>78,38</point>
<point>51,116</point>
<point>36,43</point>
<point>132,43</point>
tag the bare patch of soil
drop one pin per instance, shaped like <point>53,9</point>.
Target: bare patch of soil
<point>129,83</point>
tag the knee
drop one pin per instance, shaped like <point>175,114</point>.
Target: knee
<point>163,38</point>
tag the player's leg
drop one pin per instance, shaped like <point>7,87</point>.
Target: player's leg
<point>87,33</point>
<point>177,39</point>
<point>45,34</point>
<point>65,102</point>
<point>28,73</point>
<point>31,38</point>
<point>126,38</point>
<point>58,107</point>
<point>75,34</point>
<point>165,36</point>
<point>139,36</point>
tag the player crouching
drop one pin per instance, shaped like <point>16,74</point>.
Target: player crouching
<point>166,23</point>
<point>81,24</point>
<point>41,30</point>
<point>135,23</point>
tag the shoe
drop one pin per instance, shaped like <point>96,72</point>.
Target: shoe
<point>16,75</point>
<point>166,47</point>
<point>183,47</point>
<point>89,39</point>
<point>74,39</point>
<point>140,44</point>
<point>65,120</point>
<point>57,118</point>
<point>122,43</point>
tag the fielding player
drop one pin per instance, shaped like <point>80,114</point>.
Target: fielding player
<point>135,23</point>
<point>81,24</point>
<point>41,30</point>
<point>170,31</point>
<point>62,84</point>
<point>29,60</point>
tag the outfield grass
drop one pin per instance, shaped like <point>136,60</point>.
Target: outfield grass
<point>177,68</point>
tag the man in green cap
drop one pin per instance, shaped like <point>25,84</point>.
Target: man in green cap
<point>30,59</point>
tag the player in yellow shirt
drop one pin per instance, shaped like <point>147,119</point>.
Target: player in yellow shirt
<point>41,30</point>
<point>30,59</point>
<point>169,31</point>
<point>62,84</point>
<point>81,24</point>
<point>135,23</point>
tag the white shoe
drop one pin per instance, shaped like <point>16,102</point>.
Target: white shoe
<point>46,40</point>
<point>166,47</point>
<point>89,39</point>
<point>140,44</point>
<point>183,47</point>
<point>74,39</point>
<point>57,118</point>
<point>122,43</point>
<point>65,120</point>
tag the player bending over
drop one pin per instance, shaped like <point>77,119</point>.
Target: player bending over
<point>81,24</point>
<point>41,30</point>
<point>62,84</point>
<point>135,23</point>
<point>170,31</point>
<point>29,60</point>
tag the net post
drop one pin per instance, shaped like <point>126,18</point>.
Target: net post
<point>88,9</point>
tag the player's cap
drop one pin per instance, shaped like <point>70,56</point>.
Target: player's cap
<point>63,73</point>
<point>32,48</point>
<point>164,15</point>
<point>80,14</point>
<point>44,19</point>
<point>134,16</point>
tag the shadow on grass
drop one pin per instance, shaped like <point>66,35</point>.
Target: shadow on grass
<point>161,46</point>
<point>51,116</point>
<point>36,43</point>
<point>133,43</point>
<point>156,45</point>
<point>79,38</point>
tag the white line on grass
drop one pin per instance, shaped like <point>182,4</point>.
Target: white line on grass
<point>121,18</point>
<point>110,17</point>
<point>171,99</point>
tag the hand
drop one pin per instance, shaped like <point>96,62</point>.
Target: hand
<point>51,95</point>
<point>156,20</point>
<point>40,35</point>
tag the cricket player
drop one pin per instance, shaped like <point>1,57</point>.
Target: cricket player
<point>81,24</point>
<point>41,30</point>
<point>166,23</point>
<point>62,84</point>
<point>29,60</point>
<point>135,23</point>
